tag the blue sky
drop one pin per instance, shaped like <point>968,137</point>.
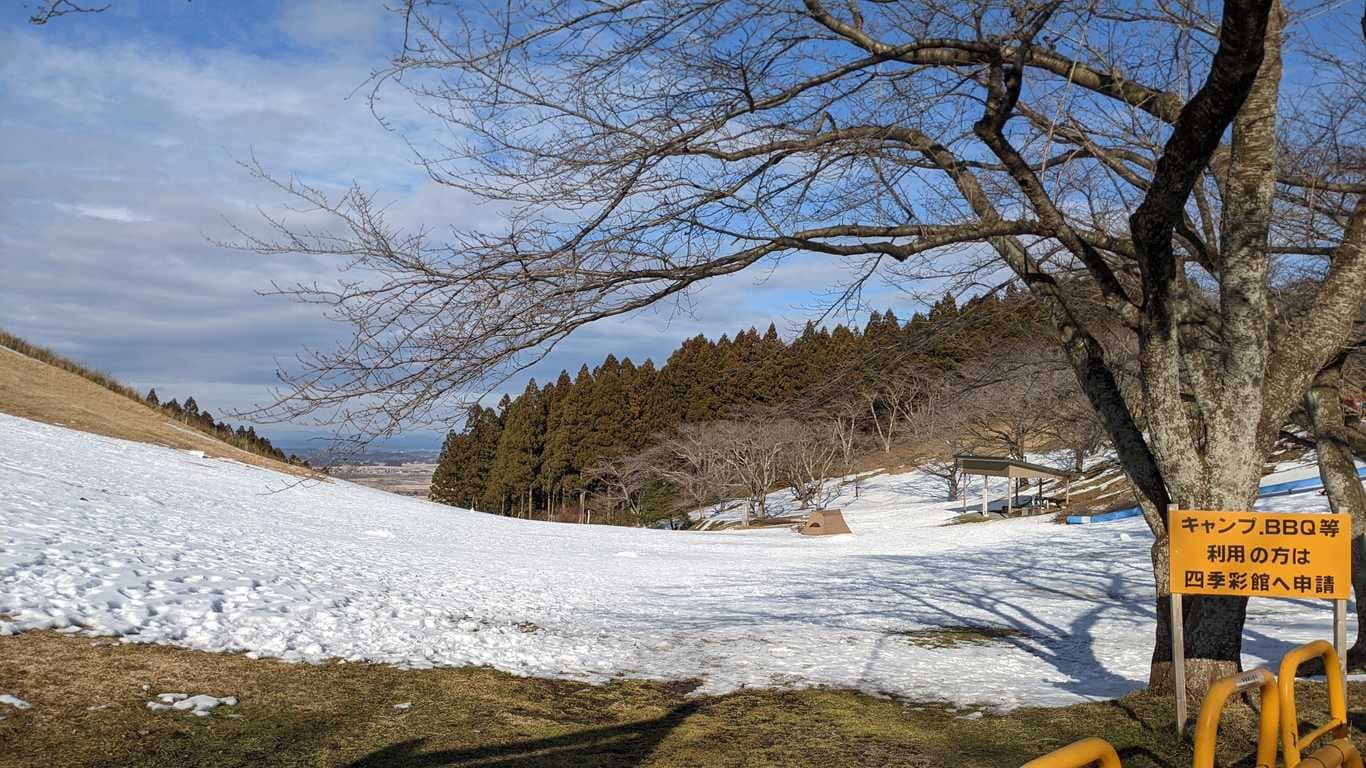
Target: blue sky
<point>120,137</point>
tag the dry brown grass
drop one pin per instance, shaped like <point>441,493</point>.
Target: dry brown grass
<point>344,715</point>
<point>36,390</point>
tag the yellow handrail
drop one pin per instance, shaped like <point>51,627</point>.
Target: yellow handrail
<point>1291,740</point>
<point>1339,753</point>
<point>1207,727</point>
<point>1078,754</point>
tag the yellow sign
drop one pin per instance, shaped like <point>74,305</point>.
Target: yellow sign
<point>1261,554</point>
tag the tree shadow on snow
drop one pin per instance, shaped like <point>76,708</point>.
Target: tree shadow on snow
<point>1030,582</point>
<point>1015,588</point>
<point>617,746</point>
<point>1067,646</point>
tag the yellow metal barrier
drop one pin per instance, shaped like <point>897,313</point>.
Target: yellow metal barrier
<point>1207,726</point>
<point>1339,753</point>
<point>1292,742</point>
<point>1078,754</point>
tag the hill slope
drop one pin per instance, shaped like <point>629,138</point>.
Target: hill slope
<point>158,545</point>
<point>35,390</point>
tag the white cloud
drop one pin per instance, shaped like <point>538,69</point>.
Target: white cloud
<point>322,22</point>
<point>96,138</point>
<point>119,214</point>
<point>119,165</point>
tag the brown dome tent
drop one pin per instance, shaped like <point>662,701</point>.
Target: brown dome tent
<point>824,522</point>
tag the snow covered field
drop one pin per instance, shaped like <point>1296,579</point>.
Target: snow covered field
<point>158,545</point>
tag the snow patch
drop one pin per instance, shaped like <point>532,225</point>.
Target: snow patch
<point>201,705</point>
<point>220,556</point>
<point>14,701</point>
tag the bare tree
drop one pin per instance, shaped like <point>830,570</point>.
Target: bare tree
<point>810,460</point>
<point>1011,397</point>
<point>844,414</point>
<point>1132,161</point>
<point>1332,417</point>
<point>752,452</point>
<point>943,465</point>
<point>1075,426</point>
<point>47,10</point>
<point>844,427</point>
<point>891,401</point>
<point>625,479</point>
<point>940,430</point>
<point>691,459</point>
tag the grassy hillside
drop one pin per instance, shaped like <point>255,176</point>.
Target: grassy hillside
<point>54,390</point>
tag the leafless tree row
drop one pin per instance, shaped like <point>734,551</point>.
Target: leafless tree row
<point>712,464</point>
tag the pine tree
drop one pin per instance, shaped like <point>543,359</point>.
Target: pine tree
<point>770,384</point>
<point>451,468</point>
<point>603,415</point>
<point>632,432</point>
<point>485,432</point>
<point>517,461</point>
<point>552,467</point>
<point>533,452</point>
<point>152,398</point>
<point>653,416</point>
<point>561,471</point>
<point>803,367</point>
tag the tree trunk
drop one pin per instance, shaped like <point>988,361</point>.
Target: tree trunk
<point>1213,635</point>
<point>1213,626</point>
<point>1337,468</point>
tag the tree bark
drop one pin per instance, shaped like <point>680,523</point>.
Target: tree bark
<point>1213,634</point>
<point>1337,468</point>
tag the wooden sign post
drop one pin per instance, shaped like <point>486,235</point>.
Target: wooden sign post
<point>1257,554</point>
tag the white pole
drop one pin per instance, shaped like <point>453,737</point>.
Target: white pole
<point>1179,662</point>
<point>1340,633</point>
<point>1178,639</point>
<point>984,495</point>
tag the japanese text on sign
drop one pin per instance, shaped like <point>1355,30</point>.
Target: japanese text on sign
<point>1260,554</point>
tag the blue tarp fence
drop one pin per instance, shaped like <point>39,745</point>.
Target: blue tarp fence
<point>1311,483</point>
